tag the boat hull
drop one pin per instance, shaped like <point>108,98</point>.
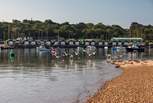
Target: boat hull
<point>135,49</point>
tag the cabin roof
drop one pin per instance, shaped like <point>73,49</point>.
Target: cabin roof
<point>126,39</point>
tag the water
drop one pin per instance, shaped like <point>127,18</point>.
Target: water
<point>35,77</point>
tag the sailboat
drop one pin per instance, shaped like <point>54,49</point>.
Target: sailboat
<point>58,52</point>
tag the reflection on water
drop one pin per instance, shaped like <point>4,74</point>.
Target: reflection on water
<point>35,77</point>
<point>31,57</point>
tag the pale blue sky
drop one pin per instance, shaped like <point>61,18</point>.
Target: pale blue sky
<point>121,12</point>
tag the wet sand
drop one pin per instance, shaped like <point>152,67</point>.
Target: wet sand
<point>135,85</point>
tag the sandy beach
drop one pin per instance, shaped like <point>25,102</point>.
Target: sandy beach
<point>135,85</point>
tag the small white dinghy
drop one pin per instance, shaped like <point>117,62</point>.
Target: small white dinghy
<point>43,48</point>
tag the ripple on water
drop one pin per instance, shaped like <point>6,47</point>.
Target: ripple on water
<point>53,84</point>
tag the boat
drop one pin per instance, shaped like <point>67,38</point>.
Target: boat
<point>58,52</point>
<point>135,48</point>
<point>91,50</point>
<point>43,48</point>
<point>78,51</point>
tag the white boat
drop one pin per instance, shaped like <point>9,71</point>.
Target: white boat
<point>57,52</point>
<point>79,51</point>
<point>91,50</point>
<point>43,48</point>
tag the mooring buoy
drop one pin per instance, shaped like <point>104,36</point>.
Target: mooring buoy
<point>11,55</point>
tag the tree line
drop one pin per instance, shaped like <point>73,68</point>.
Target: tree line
<point>51,30</point>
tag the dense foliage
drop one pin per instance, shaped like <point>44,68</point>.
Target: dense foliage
<point>50,30</point>
<point>143,31</point>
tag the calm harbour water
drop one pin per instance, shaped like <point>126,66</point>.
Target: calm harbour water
<point>35,77</point>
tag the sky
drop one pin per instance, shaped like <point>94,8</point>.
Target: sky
<point>109,12</point>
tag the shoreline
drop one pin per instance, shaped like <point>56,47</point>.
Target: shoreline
<point>134,85</point>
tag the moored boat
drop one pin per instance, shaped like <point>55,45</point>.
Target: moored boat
<point>135,48</point>
<point>43,48</point>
